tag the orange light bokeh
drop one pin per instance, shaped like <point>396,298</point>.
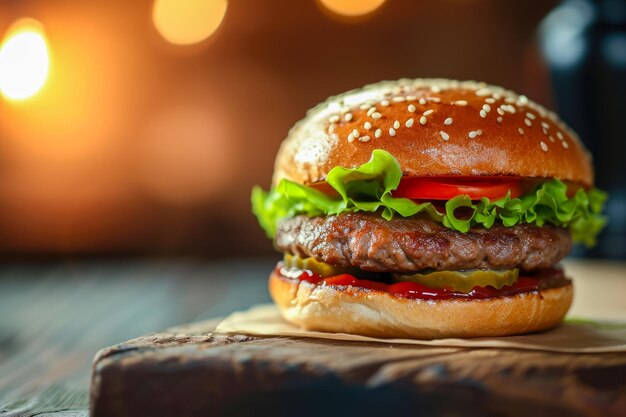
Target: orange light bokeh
<point>24,60</point>
<point>185,22</point>
<point>351,8</point>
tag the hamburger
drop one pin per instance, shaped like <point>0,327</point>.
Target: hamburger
<point>428,208</point>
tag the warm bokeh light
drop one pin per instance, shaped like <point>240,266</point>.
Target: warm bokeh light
<point>352,7</point>
<point>185,22</point>
<point>24,60</point>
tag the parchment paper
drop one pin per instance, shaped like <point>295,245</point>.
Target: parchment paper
<point>573,336</point>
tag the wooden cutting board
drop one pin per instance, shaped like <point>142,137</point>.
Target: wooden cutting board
<point>191,371</point>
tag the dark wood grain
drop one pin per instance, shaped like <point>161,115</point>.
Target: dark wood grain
<point>55,316</point>
<point>191,371</point>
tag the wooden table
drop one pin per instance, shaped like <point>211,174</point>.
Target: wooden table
<point>53,318</point>
<point>190,371</point>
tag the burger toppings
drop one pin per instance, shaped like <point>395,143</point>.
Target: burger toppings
<point>457,281</point>
<point>529,282</point>
<point>433,238</point>
<point>293,266</point>
<point>372,187</point>
<point>493,188</point>
<point>408,245</point>
<point>462,281</point>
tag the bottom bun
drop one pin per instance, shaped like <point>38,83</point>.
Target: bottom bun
<point>380,314</point>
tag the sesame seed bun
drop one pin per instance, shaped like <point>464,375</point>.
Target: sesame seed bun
<point>380,314</point>
<point>434,127</point>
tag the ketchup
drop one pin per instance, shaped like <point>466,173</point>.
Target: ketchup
<point>413,290</point>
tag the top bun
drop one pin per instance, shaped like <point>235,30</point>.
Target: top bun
<point>434,127</point>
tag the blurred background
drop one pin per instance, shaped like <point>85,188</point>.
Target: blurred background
<point>138,128</point>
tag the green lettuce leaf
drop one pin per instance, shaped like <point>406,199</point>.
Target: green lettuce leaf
<point>369,188</point>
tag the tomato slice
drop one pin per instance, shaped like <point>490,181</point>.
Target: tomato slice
<point>420,188</point>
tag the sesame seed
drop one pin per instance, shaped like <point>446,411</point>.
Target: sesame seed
<point>423,120</point>
<point>510,100</point>
<point>544,146</point>
<point>483,92</point>
<point>384,103</point>
<point>472,134</point>
<point>367,125</point>
<point>490,100</point>
<point>448,121</point>
<point>376,115</point>
<point>350,138</point>
<point>483,113</point>
<point>378,133</point>
<point>364,138</point>
<point>508,107</point>
<point>486,107</point>
<point>444,135</point>
<point>479,132</point>
<point>334,136</point>
<point>499,119</point>
<point>551,138</point>
<point>559,135</point>
<point>409,122</point>
<point>364,106</point>
<point>411,108</point>
<point>398,99</point>
<point>522,100</point>
<point>520,130</point>
<point>428,112</point>
<point>333,119</point>
<point>396,124</point>
<point>528,122</point>
<point>348,117</point>
<point>435,89</point>
<point>435,99</point>
<point>460,103</point>
<point>392,131</point>
<point>530,116</point>
<point>545,125</point>
<point>355,133</point>
<point>500,111</point>
<point>371,110</point>
<point>422,101</point>
<point>545,131</point>
<point>411,98</point>
<point>565,144</point>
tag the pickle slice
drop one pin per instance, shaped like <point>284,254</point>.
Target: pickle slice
<point>463,281</point>
<point>310,264</point>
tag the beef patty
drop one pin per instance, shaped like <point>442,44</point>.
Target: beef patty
<point>371,243</point>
